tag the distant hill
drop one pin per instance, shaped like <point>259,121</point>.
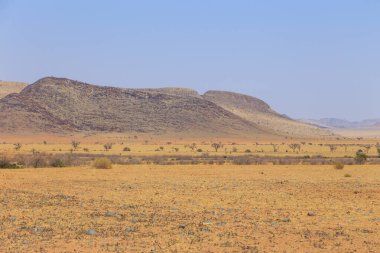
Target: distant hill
<point>10,87</point>
<point>260,113</point>
<point>341,123</point>
<point>62,105</point>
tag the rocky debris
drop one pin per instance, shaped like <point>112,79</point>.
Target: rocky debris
<point>91,232</point>
<point>182,226</point>
<point>311,213</point>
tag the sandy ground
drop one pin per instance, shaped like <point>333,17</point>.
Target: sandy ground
<point>191,209</point>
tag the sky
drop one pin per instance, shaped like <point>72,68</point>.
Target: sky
<point>307,59</point>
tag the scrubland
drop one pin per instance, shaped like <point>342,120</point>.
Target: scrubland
<point>203,208</point>
<point>211,204</point>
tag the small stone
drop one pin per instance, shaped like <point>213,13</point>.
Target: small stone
<point>109,214</point>
<point>208,222</point>
<point>91,232</point>
<point>130,230</point>
<point>311,213</point>
<point>182,226</point>
<point>286,220</point>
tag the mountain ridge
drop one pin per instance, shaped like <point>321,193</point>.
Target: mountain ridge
<point>54,104</point>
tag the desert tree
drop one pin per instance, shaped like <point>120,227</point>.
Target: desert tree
<point>17,146</point>
<point>217,146</point>
<point>295,146</point>
<point>378,149</point>
<point>332,148</point>
<point>193,146</point>
<point>360,156</point>
<point>75,144</point>
<point>367,148</point>
<point>275,148</point>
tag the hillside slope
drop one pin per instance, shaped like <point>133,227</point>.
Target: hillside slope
<point>63,105</point>
<point>260,113</point>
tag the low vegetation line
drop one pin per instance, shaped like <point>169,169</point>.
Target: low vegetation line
<point>42,160</point>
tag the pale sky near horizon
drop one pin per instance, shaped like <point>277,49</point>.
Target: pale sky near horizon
<point>307,59</point>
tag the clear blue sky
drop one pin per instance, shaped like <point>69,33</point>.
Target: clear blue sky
<point>317,58</point>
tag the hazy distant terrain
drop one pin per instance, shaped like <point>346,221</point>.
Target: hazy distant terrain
<point>10,87</point>
<point>341,123</point>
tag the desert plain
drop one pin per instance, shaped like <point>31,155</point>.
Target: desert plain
<point>200,207</point>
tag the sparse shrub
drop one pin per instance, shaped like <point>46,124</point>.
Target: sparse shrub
<point>347,175</point>
<point>5,164</point>
<point>57,163</point>
<point>199,150</point>
<point>234,150</point>
<point>247,151</point>
<point>192,146</point>
<point>126,149</point>
<point>161,148</point>
<point>75,144</point>
<point>38,161</point>
<point>86,150</point>
<point>338,165</point>
<point>332,148</point>
<point>107,146</point>
<point>103,163</point>
<point>17,146</point>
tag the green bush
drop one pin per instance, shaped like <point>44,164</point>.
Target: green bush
<point>127,149</point>
<point>103,163</point>
<point>57,163</point>
<point>360,156</point>
<point>339,165</point>
<point>4,164</point>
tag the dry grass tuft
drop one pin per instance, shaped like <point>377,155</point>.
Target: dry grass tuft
<point>339,165</point>
<point>103,163</point>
